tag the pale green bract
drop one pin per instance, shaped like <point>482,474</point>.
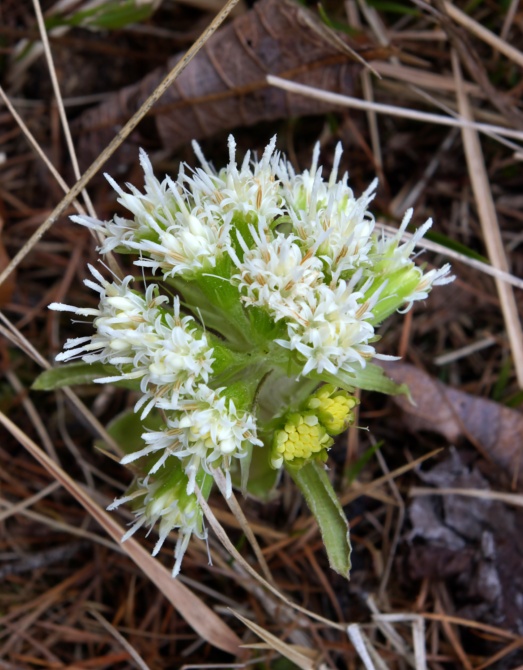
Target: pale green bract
<point>264,284</point>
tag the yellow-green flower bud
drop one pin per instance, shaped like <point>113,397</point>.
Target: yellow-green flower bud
<point>333,407</point>
<point>302,437</point>
<point>400,288</point>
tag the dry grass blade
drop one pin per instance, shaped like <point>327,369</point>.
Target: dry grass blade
<point>515,499</point>
<point>353,17</point>
<point>391,110</point>
<point>367,488</point>
<point>418,635</point>
<point>28,502</point>
<point>138,660</point>
<point>489,223</point>
<point>117,141</point>
<point>486,35</point>
<point>194,611</point>
<point>452,635</point>
<point>33,415</point>
<point>424,79</point>
<point>508,649</point>
<point>364,647</point>
<point>224,539</point>
<point>509,18</point>
<point>110,259</point>
<point>294,654</point>
<point>32,141</point>
<point>418,660</point>
<point>59,101</point>
<point>235,508</point>
<point>462,352</point>
<point>60,526</point>
<point>476,625</point>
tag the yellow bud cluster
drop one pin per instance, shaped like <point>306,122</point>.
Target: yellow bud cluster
<point>302,437</point>
<point>333,408</point>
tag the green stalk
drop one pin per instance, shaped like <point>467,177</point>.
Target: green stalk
<point>321,498</point>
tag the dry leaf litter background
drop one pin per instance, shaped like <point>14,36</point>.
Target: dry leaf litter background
<point>69,597</point>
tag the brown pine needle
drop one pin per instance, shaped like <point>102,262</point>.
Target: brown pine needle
<point>194,611</point>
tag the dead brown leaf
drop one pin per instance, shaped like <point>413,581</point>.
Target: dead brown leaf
<point>225,87</point>
<point>466,540</point>
<point>495,430</point>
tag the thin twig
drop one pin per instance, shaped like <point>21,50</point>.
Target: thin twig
<point>15,508</point>
<point>229,546</point>
<point>59,102</point>
<point>235,508</point>
<point>32,141</point>
<point>515,499</point>
<point>117,141</point>
<point>32,413</point>
<point>138,660</point>
<point>509,19</point>
<point>480,31</point>
<point>391,110</point>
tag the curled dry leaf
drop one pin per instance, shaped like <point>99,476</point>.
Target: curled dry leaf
<point>225,87</point>
<point>496,431</point>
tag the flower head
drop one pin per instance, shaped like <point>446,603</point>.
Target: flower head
<point>250,192</point>
<point>331,330</point>
<point>301,438</point>
<point>206,431</point>
<point>275,273</point>
<point>163,500</point>
<point>144,340</point>
<point>333,407</point>
<point>277,276</point>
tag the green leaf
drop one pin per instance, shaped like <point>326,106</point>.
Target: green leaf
<point>262,478</point>
<point>72,374</point>
<point>450,243</point>
<point>317,490</point>
<point>127,429</point>
<point>369,378</point>
<point>69,375</point>
<point>215,302</point>
<point>111,15</point>
<point>334,24</point>
<point>354,470</point>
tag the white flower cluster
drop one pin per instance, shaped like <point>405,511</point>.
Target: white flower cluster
<point>283,269</point>
<point>173,360</point>
<point>143,340</point>
<point>183,227</point>
<point>164,501</point>
<point>327,217</point>
<point>207,431</point>
<point>304,249</point>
